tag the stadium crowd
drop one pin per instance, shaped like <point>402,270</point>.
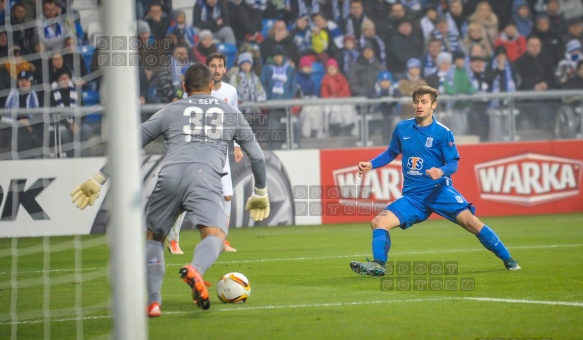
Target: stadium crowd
<point>285,49</point>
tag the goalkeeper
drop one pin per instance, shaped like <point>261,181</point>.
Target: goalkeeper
<point>197,131</point>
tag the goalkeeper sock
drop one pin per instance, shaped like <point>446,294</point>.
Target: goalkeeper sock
<point>492,242</point>
<point>206,253</point>
<point>155,269</point>
<point>175,230</point>
<point>381,243</point>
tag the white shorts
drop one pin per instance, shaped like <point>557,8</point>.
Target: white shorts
<point>226,180</point>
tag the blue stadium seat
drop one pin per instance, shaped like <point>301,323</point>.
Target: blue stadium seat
<point>230,51</point>
<point>90,97</point>
<point>317,75</point>
<point>267,24</point>
<point>86,51</point>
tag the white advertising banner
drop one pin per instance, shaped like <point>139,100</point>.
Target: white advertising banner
<point>35,194</point>
<point>35,197</point>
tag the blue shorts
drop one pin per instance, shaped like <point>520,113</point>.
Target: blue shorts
<point>444,201</point>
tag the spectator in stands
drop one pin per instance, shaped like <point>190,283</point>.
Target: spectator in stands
<point>501,75</point>
<point>449,40</point>
<point>311,116</point>
<point>484,16</point>
<point>2,13</point>
<point>390,111</point>
<point>536,72</point>
<point>70,59</point>
<point>341,117</point>
<point>182,31</point>
<point>558,22</point>
<point>3,44</point>
<point>364,73</point>
<point>322,41</point>
<point>512,40</point>
<point>279,81</point>
<point>458,81</point>
<point>279,35</point>
<point>534,68</point>
<point>477,36</point>
<point>427,23</point>
<point>567,67</point>
<point>302,35</point>
<point>576,82</point>
<point>574,31</point>
<point>254,50</point>
<point>369,36</point>
<point>414,8</point>
<point>17,64</point>
<point>23,97</point>
<point>347,57</point>
<point>408,84</point>
<point>502,78</point>
<point>438,79</point>
<point>171,76</point>
<point>64,94</point>
<point>57,63</point>
<point>429,60</point>
<point>376,10</point>
<point>571,9</point>
<point>353,24</point>
<point>478,114</point>
<point>53,30</point>
<point>205,46</point>
<point>404,45</point>
<point>522,16</point>
<point>456,18</point>
<point>396,14</point>
<point>158,23</point>
<point>278,76</point>
<point>21,36</point>
<point>551,42</point>
<point>213,16</point>
<point>247,83</point>
<point>244,20</point>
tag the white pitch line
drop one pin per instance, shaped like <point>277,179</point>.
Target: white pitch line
<point>326,305</point>
<point>309,258</point>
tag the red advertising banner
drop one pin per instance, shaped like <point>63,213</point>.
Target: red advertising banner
<point>521,178</point>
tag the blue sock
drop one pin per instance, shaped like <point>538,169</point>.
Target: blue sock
<point>381,243</point>
<point>492,242</point>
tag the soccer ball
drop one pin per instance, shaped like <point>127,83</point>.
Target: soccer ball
<point>233,288</point>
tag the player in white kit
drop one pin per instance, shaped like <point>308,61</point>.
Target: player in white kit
<point>228,93</point>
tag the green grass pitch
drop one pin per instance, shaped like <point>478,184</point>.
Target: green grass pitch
<point>302,286</point>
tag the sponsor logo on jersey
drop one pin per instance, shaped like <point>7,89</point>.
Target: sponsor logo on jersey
<point>414,164</point>
<point>529,179</point>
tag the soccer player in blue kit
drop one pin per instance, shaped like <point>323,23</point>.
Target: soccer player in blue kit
<point>429,158</point>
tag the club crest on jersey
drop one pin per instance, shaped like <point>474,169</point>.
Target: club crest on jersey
<point>429,142</point>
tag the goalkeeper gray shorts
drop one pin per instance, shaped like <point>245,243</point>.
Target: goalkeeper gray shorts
<point>193,187</point>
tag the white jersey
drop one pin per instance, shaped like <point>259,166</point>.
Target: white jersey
<point>228,93</point>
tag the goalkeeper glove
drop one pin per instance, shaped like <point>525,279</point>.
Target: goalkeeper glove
<point>86,193</point>
<point>258,205</point>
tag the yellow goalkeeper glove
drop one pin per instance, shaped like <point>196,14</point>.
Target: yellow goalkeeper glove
<point>258,205</point>
<point>86,193</point>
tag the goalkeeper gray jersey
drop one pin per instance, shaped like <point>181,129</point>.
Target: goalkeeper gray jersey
<point>198,129</point>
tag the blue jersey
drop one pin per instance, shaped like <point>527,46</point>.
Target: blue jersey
<point>422,148</point>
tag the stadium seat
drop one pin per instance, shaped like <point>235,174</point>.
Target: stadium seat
<point>317,75</point>
<point>86,51</point>
<point>90,97</point>
<point>230,51</point>
<point>267,24</point>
